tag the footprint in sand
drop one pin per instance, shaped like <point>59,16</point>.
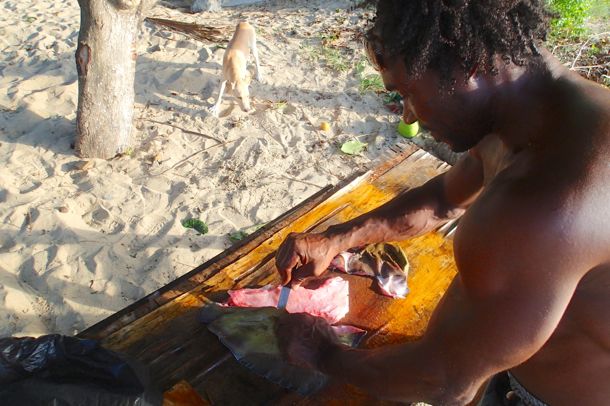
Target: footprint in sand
<point>101,219</point>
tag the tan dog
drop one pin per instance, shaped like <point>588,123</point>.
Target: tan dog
<point>234,65</point>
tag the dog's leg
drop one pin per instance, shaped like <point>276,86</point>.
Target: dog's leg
<point>259,76</point>
<point>214,110</point>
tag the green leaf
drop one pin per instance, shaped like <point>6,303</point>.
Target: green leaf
<point>196,225</point>
<point>237,236</point>
<point>244,232</point>
<point>353,147</point>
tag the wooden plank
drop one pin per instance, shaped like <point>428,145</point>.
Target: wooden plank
<point>174,345</point>
<point>198,275</point>
<point>365,196</point>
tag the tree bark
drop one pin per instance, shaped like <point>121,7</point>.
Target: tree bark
<point>106,61</point>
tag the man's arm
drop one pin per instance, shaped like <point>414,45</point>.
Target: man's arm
<point>418,210</point>
<point>511,292</point>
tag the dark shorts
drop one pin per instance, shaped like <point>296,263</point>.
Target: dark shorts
<point>504,390</point>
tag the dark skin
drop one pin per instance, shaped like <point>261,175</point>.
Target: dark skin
<point>533,289</point>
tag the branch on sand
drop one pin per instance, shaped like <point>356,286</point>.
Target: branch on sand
<point>184,130</point>
<point>192,155</point>
<point>198,31</point>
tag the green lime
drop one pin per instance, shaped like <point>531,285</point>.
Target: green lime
<point>408,130</point>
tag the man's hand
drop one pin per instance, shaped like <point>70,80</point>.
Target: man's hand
<point>408,215</point>
<point>305,340</point>
<point>302,255</point>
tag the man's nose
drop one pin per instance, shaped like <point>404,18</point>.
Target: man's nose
<point>408,116</point>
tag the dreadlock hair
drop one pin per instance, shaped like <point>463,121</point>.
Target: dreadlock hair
<point>444,34</point>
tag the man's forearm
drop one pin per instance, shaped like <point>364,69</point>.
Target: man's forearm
<point>415,212</point>
<point>396,372</point>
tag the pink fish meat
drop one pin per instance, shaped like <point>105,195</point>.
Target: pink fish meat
<point>329,299</point>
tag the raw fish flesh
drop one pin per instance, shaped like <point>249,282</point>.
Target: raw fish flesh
<point>386,263</point>
<point>328,299</point>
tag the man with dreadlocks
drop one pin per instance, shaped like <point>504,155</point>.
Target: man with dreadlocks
<point>529,307</point>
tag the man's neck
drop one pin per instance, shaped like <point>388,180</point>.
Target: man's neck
<point>528,101</point>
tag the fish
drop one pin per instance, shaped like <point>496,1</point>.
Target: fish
<point>327,298</point>
<point>250,334</point>
<point>385,262</point>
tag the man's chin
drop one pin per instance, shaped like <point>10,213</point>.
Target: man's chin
<point>455,145</point>
<point>459,145</point>
<point>459,148</point>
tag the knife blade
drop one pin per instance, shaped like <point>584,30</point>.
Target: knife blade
<point>284,294</point>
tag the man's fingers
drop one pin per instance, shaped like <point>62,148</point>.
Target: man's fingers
<point>286,276</point>
<point>304,271</point>
<point>286,268</point>
<point>286,259</point>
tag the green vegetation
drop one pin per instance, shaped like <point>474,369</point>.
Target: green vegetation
<point>579,36</point>
<point>196,225</point>
<point>571,17</point>
<point>371,82</point>
<point>360,67</point>
<point>334,59</point>
<point>279,105</point>
<point>330,37</point>
<point>392,97</point>
<point>244,232</point>
<point>331,57</point>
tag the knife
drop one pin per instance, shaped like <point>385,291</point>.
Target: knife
<point>283,300</point>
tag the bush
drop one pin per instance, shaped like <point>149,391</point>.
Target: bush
<point>571,17</point>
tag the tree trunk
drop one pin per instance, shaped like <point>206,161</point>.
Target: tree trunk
<point>106,62</point>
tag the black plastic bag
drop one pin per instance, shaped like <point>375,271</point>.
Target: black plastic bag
<point>60,370</point>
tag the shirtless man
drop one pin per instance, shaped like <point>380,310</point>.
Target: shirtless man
<point>532,296</point>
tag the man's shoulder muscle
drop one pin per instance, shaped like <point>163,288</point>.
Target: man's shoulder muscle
<point>513,228</point>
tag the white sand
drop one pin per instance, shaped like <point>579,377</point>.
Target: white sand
<point>77,244</point>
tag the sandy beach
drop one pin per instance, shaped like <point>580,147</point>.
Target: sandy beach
<point>81,239</point>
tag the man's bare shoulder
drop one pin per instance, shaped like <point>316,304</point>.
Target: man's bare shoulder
<point>587,112</point>
<point>525,222</point>
<point>597,93</point>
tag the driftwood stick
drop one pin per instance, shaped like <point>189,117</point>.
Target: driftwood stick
<point>192,155</point>
<point>582,47</point>
<point>198,31</point>
<point>300,181</point>
<point>184,130</point>
<point>584,44</point>
<point>589,66</point>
